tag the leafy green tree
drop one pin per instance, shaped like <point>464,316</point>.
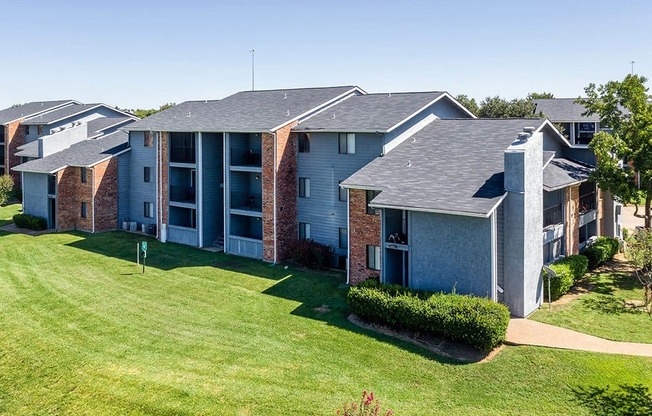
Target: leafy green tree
<point>639,253</point>
<point>469,103</point>
<point>497,107</point>
<point>539,96</point>
<point>142,113</point>
<point>6,188</point>
<point>624,109</point>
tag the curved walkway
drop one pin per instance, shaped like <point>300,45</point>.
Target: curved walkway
<point>527,332</point>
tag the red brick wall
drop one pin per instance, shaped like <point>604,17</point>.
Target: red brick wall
<point>268,196</point>
<point>14,137</point>
<point>71,192</point>
<point>286,193</point>
<point>364,230</point>
<point>163,184</point>
<point>572,208</point>
<point>106,195</point>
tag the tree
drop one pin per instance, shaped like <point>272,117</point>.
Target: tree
<point>639,253</point>
<point>6,188</point>
<point>142,113</point>
<point>540,96</point>
<point>469,103</point>
<point>496,107</point>
<point>624,109</point>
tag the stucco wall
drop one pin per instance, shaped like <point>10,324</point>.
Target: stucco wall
<point>450,252</point>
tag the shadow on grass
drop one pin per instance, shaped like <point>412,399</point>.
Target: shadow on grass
<point>627,399</point>
<point>607,304</point>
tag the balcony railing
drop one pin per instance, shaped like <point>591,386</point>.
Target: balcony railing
<point>587,203</point>
<point>184,194</point>
<point>245,157</point>
<point>552,215</point>
<point>247,201</point>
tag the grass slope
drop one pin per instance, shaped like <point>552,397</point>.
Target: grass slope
<point>7,212</point>
<point>603,311</point>
<point>83,332</point>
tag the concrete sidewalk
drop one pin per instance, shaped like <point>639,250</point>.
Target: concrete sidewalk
<point>527,332</point>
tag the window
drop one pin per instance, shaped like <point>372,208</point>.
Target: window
<point>148,139</point>
<point>373,257</point>
<point>304,143</point>
<point>83,209</point>
<point>347,143</point>
<point>304,231</point>
<point>344,240</point>
<point>26,130</point>
<point>149,210</point>
<point>147,174</point>
<point>370,196</point>
<point>39,130</point>
<point>52,184</point>
<point>304,187</point>
<point>342,191</point>
<point>84,175</point>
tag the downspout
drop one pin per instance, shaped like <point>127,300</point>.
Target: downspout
<point>199,212</point>
<point>275,156</point>
<point>159,185</point>
<point>22,185</point>
<point>348,233</point>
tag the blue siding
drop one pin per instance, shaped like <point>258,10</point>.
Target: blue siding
<point>124,187</point>
<point>82,117</point>
<point>181,235</point>
<point>326,168</point>
<point>212,187</point>
<point>450,251</point>
<point>35,194</point>
<point>140,191</point>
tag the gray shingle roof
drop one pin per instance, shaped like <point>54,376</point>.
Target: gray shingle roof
<point>371,112</point>
<point>247,111</point>
<point>452,166</point>
<point>547,156</point>
<point>28,150</point>
<point>96,126</point>
<point>58,114</point>
<point>86,153</point>
<point>561,173</point>
<point>563,109</point>
<point>29,109</point>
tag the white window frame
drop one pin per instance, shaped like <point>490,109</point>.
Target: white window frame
<point>304,231</point>
<point>346,143</point>
<point>373,259</point>
<point>304,187</point>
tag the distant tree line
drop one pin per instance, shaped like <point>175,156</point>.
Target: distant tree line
<point>142,112</point>
<point>497,107</point>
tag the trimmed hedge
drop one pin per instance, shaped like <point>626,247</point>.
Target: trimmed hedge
<point>568,271</point>
<point>601,251</point>
<point>30,222</point>
<point>479,322</point>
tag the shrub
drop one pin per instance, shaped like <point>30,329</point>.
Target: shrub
<point>559,284</point>
<point>30,222</point>
<point>578,264</point>
<point>601,251</point>
<point>479,322</point>
<point>309,253</point>
<point>6,188</point>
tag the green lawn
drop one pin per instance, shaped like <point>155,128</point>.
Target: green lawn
<point>7,212</point>
<point>604,311</point>
<point>83,332</point>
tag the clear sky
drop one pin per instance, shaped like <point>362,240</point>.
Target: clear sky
<point>142,53</point>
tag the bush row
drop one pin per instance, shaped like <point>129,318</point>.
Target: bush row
<point>479,322</point>
<point>309,253</point>
<point>601,251</point>
<point>30,222</point>
<point>568,271</point>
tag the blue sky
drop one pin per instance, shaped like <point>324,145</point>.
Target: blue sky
<point>143,53</point>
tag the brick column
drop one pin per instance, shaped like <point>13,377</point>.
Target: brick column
<point>286,192</point>
<point>572,215</point>
<point>105,190</point>
<point>14,137</point>
<point>364,229</point>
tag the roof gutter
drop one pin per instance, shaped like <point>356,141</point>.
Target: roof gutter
<point>435,211</point>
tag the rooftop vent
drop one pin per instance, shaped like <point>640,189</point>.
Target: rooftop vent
<point>529,130</point>
<point>523,137</point>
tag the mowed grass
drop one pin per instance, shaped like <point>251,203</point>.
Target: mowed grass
<point>606,311</point>
<point>84,332</point>
<point>7,212</point>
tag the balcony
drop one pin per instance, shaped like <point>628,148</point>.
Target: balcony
<point>247,201</point>
<point>587,203</point>
<point>245,157</point>
<point>552,216</point>
<point>182,148</point>
<point>183,194</point>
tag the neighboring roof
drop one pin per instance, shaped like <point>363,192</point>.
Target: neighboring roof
<point>28,150</point>
<point>30,109</point>
<point>85,154</point>
<point>247,111</point>
<point>563,109</point>
<point>450,166</point>
<point>60,114</point>
<point>370,112</point>
<point>561,173</point>
<point>547,157</point>
<point>100,124</point>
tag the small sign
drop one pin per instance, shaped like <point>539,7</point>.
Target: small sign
<point>143,246</point>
